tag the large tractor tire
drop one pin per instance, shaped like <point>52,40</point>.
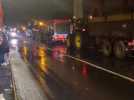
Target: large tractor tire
<point>81,43</point>
<point>106,48</point>
<point>119,49</point>
<point>78,41</point>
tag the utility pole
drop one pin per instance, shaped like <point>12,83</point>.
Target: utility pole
<point>78,9</point>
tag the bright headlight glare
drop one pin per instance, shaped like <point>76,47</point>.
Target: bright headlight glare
<point>13,34</point>
<point>14,41</point>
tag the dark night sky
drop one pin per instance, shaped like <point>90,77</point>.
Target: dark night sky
<point>21,10</point>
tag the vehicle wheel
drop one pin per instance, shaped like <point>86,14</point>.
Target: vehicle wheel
<point>78,41</point>
<point>81,44</point>
<point>119,49</point>
<point>106,48</point>
<point>81,40</point>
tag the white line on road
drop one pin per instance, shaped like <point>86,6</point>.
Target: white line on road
<point>101,68</point>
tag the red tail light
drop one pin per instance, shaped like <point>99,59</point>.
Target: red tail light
<point>59,37</point>
<point>131,43</point>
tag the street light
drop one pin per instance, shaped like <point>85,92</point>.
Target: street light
<point>23,28</point>
<point>41,23</point>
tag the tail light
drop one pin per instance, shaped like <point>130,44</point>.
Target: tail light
<point>131,43</point>
<point>61,36</point>
<point>83,30</point>
<point>58,37</point>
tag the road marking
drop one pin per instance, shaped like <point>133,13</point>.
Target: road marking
<point>101,68</point>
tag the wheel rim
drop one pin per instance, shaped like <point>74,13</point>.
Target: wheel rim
<point>78,41</point>
<point>107,50</point>
<point>120,51</point>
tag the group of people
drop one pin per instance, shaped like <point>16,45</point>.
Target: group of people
<point>4,48</point>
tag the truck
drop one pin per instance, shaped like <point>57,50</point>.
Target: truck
<point>105,25</point>
<point>59,29</point>
<point>50,31</point>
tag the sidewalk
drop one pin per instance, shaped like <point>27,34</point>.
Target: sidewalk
<point>27,86</point>
<point>5,83</point>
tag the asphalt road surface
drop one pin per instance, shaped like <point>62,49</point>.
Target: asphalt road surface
<point>65,77</point>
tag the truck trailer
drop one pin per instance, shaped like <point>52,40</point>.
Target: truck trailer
<point>106,25</point>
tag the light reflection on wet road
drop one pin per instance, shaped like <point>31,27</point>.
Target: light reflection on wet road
<point>67,79</point>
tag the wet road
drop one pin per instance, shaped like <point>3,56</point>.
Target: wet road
<point>64,77</point>
<point>26,86</point>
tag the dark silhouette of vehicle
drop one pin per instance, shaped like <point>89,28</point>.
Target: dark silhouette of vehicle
<point>106,25</point>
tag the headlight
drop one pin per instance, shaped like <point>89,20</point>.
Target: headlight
<point>13,34</point>
<point>14,41</point>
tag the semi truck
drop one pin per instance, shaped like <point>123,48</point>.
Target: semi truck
<point>50,31</point>
<point>106,25</point>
